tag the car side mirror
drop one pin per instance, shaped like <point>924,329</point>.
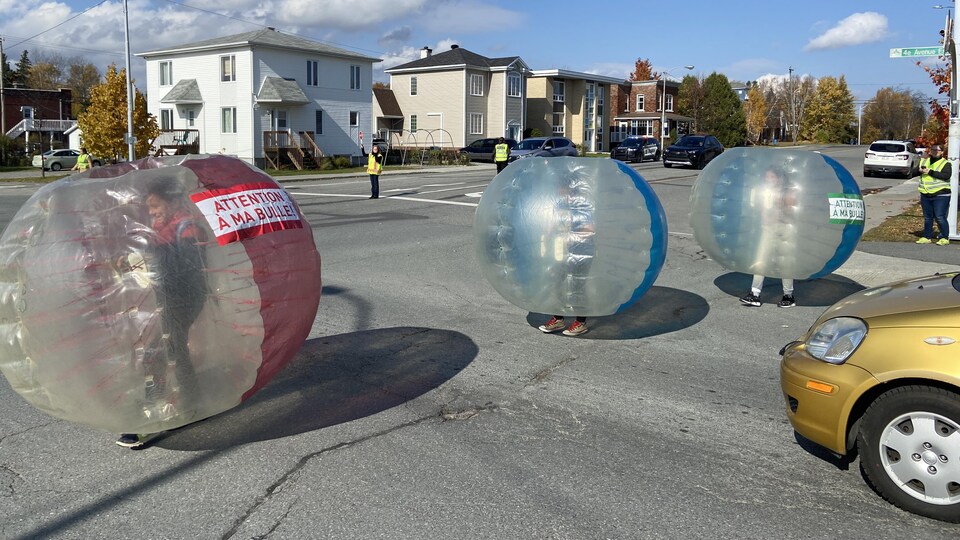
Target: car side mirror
<point>548,147</point>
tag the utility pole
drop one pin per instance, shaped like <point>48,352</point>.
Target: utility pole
<point>793,109</point>
<point>950,37</point>
<point>131,140</point>
<point>3,107</point>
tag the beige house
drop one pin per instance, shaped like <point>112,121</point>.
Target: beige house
<point>572,105</point>
<point>453,98</point>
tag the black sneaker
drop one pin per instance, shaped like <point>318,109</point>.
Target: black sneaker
<point>787,301</point>
<point>751,300</point>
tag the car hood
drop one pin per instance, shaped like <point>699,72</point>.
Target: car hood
<point>676,148</point>
<point>925,301</point>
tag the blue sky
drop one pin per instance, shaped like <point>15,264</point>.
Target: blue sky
<point>744,40</point>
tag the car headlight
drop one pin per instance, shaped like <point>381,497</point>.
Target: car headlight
<point>835,340</point>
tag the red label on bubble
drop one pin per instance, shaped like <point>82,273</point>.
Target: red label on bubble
<point>247,210</point>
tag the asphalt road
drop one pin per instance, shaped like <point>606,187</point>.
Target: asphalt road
<point>424,405</point>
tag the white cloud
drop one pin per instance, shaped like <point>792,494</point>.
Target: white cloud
<point>856,29</point>
<point>611,69</point>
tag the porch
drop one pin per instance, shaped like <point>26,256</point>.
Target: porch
<point>286,149</point>
<point>176,142</point>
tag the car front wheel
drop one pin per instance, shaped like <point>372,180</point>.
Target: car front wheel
<point>55,166</point>
<point>909,443</point>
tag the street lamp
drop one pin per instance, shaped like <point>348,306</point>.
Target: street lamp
<point>663,105</point>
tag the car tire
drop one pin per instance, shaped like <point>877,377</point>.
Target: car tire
<point>701,163</point>
<point>96,163</point>
<point>667,165</point>
<point>906,437</point>
<point>656,157</point>
<point>866,173</point>
<point>55,166</point>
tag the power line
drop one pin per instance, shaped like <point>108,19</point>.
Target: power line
<point>60,24</point>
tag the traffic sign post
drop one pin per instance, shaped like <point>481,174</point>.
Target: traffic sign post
<point>911,52</point>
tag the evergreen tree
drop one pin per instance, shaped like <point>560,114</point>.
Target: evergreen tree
<point>722,111</point>
<point>22,74</point>
<point>7,72</point>
<point>104,123</point>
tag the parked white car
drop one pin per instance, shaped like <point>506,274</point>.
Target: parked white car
<point>891,157</point>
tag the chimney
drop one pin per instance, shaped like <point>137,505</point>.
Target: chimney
<point>425,52</point>
<point>454,46</point>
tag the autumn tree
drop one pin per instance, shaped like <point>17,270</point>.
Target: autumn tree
<point>830,116</point>
<point>894,114</point>
<point>722,111</point>
<point>81,79</point>
<point>755,111</point>
<point>938,124</point>
<point>381,85</point>
<point>104,123</point>
<point>643,71</point>
<point>44,76</point>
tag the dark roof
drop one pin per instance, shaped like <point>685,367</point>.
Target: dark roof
<point>388,102</point>
<point>185,91</point>
<point>280,90</point>
<point>267,37</point>
<point>458,57</point>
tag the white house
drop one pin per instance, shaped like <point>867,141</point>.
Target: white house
<point>266,97</point>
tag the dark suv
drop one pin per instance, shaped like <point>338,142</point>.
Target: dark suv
<point>637,149</point>
<point>692,151</point>
<point>482,149</point>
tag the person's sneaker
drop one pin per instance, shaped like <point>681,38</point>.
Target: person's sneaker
<point>751,300</point>
<point>130,440</point>
<point>923,240</point>
<point>787,301</point>
<point>576,329</point>
<point>552,325</point>
<point>943,242</point>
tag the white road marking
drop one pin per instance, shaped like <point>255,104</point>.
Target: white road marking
<point>393,197</point>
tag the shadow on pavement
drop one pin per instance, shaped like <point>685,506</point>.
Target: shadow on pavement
<point>332,380</point>
<point>823,292</point>
<point>661,311</point>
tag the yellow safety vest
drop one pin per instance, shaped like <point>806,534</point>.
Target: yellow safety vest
<point>372,166</point>
<point>83,162</point>
<point>500,152</point>
<point>929,184</point>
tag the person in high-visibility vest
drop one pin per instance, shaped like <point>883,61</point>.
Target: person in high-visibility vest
<point>501,153</point>
<point>935,195</point>
<point>374,168</point>
<point>83,161</point>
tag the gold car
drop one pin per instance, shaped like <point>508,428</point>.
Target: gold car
<point>878,374</point>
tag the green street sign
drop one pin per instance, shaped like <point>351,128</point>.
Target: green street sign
<point>909,52</point>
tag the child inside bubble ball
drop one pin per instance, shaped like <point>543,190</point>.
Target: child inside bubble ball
<point>174,255</point>
<point>775,202</point>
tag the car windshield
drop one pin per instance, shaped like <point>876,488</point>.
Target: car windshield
<point>690,141</point>
<point>887,147</point>
<point>630,143</point>
<point>530,144</point>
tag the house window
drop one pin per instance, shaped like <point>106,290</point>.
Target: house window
<point>166,118</point>
<point>354,77</point>
<point>476,124</point>
<point>413,123</point>
<point>228,120</point>
<point>354,119</point>
<point>166,73</point>
<point>645,128</point>
<point>413,86</point>
<point>281,120</point>
<point>319,121</point>
<point>558,123</point>
<point>640,104</point>
<point>313,79</point>
<point>228,68</point>
<point>191,118</point>
<point>476,85</point>
<point>670,102</point>
<point>558,91</point>
<point>513,85</point>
